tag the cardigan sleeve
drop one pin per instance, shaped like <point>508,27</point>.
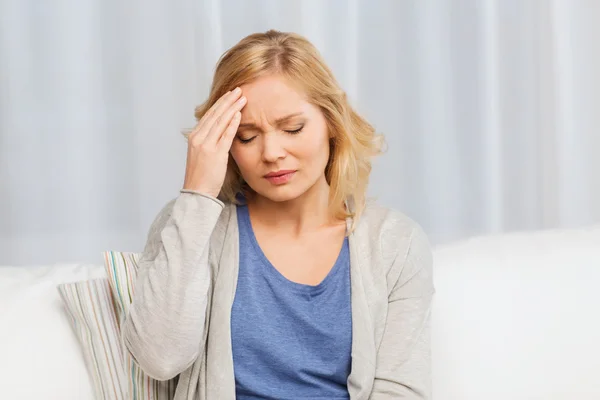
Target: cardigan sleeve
<point>164,327</point>
<point>403,369</point>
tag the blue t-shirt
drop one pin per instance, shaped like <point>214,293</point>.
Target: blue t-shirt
<point>289,340</point>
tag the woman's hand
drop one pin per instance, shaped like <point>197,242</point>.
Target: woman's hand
<point>209,144</point>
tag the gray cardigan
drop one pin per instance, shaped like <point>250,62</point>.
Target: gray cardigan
<point>179,321</point>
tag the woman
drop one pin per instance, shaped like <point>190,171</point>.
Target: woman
<point>270,276</point>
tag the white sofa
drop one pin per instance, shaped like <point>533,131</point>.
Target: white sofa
<point>515,317</point>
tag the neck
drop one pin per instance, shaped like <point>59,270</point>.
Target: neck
<point>308,212</point>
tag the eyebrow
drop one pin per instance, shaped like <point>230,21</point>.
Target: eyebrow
<point>278,121</point>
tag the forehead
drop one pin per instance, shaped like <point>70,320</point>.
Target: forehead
<point>273,95</point>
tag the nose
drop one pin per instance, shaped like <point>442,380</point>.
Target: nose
<point>272,147</point>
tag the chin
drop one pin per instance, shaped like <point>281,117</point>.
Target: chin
<point>280,194</point>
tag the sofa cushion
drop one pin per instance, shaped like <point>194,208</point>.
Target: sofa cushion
<point>97,308</point>
<point>121,268</point>
<point>92,310</point>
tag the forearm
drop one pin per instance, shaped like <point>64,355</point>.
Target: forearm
<point>164,328</point>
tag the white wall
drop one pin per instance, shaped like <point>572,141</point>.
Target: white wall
<point>490,109</point>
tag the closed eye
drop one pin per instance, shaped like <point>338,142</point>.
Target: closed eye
<point>246,140</point>
<point>291,132</point>
<point>294,132</point>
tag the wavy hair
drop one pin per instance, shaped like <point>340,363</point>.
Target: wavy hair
<point>353,141</point>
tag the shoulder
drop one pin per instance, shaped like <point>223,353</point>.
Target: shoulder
<point>400,243</point>
<point>185,202</point>
<point>381,218</point>
<point>389,228</point>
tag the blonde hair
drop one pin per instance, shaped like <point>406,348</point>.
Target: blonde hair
<point>353,141</point>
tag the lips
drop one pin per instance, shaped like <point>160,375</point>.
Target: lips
<point>279,173</point>
<point>280,177</point>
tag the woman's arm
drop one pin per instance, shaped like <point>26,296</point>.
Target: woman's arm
<point>403,369</point>
<point>164,328</point>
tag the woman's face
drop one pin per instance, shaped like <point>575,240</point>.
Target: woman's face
<point>282,144</point>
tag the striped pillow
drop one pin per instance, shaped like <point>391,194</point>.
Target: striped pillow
<point>91,309</point>
<point>121,268</point>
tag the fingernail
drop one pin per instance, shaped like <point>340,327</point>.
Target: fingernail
<point>242,99</point>
<point>237,90</point>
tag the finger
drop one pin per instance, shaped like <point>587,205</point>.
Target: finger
<point>201,128</point>
<point>194,131</point>
<point>221,108</point>
<point>217,103</point>
<point>229,134</point>
<point>222,122</point>
<point>208,113</point>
